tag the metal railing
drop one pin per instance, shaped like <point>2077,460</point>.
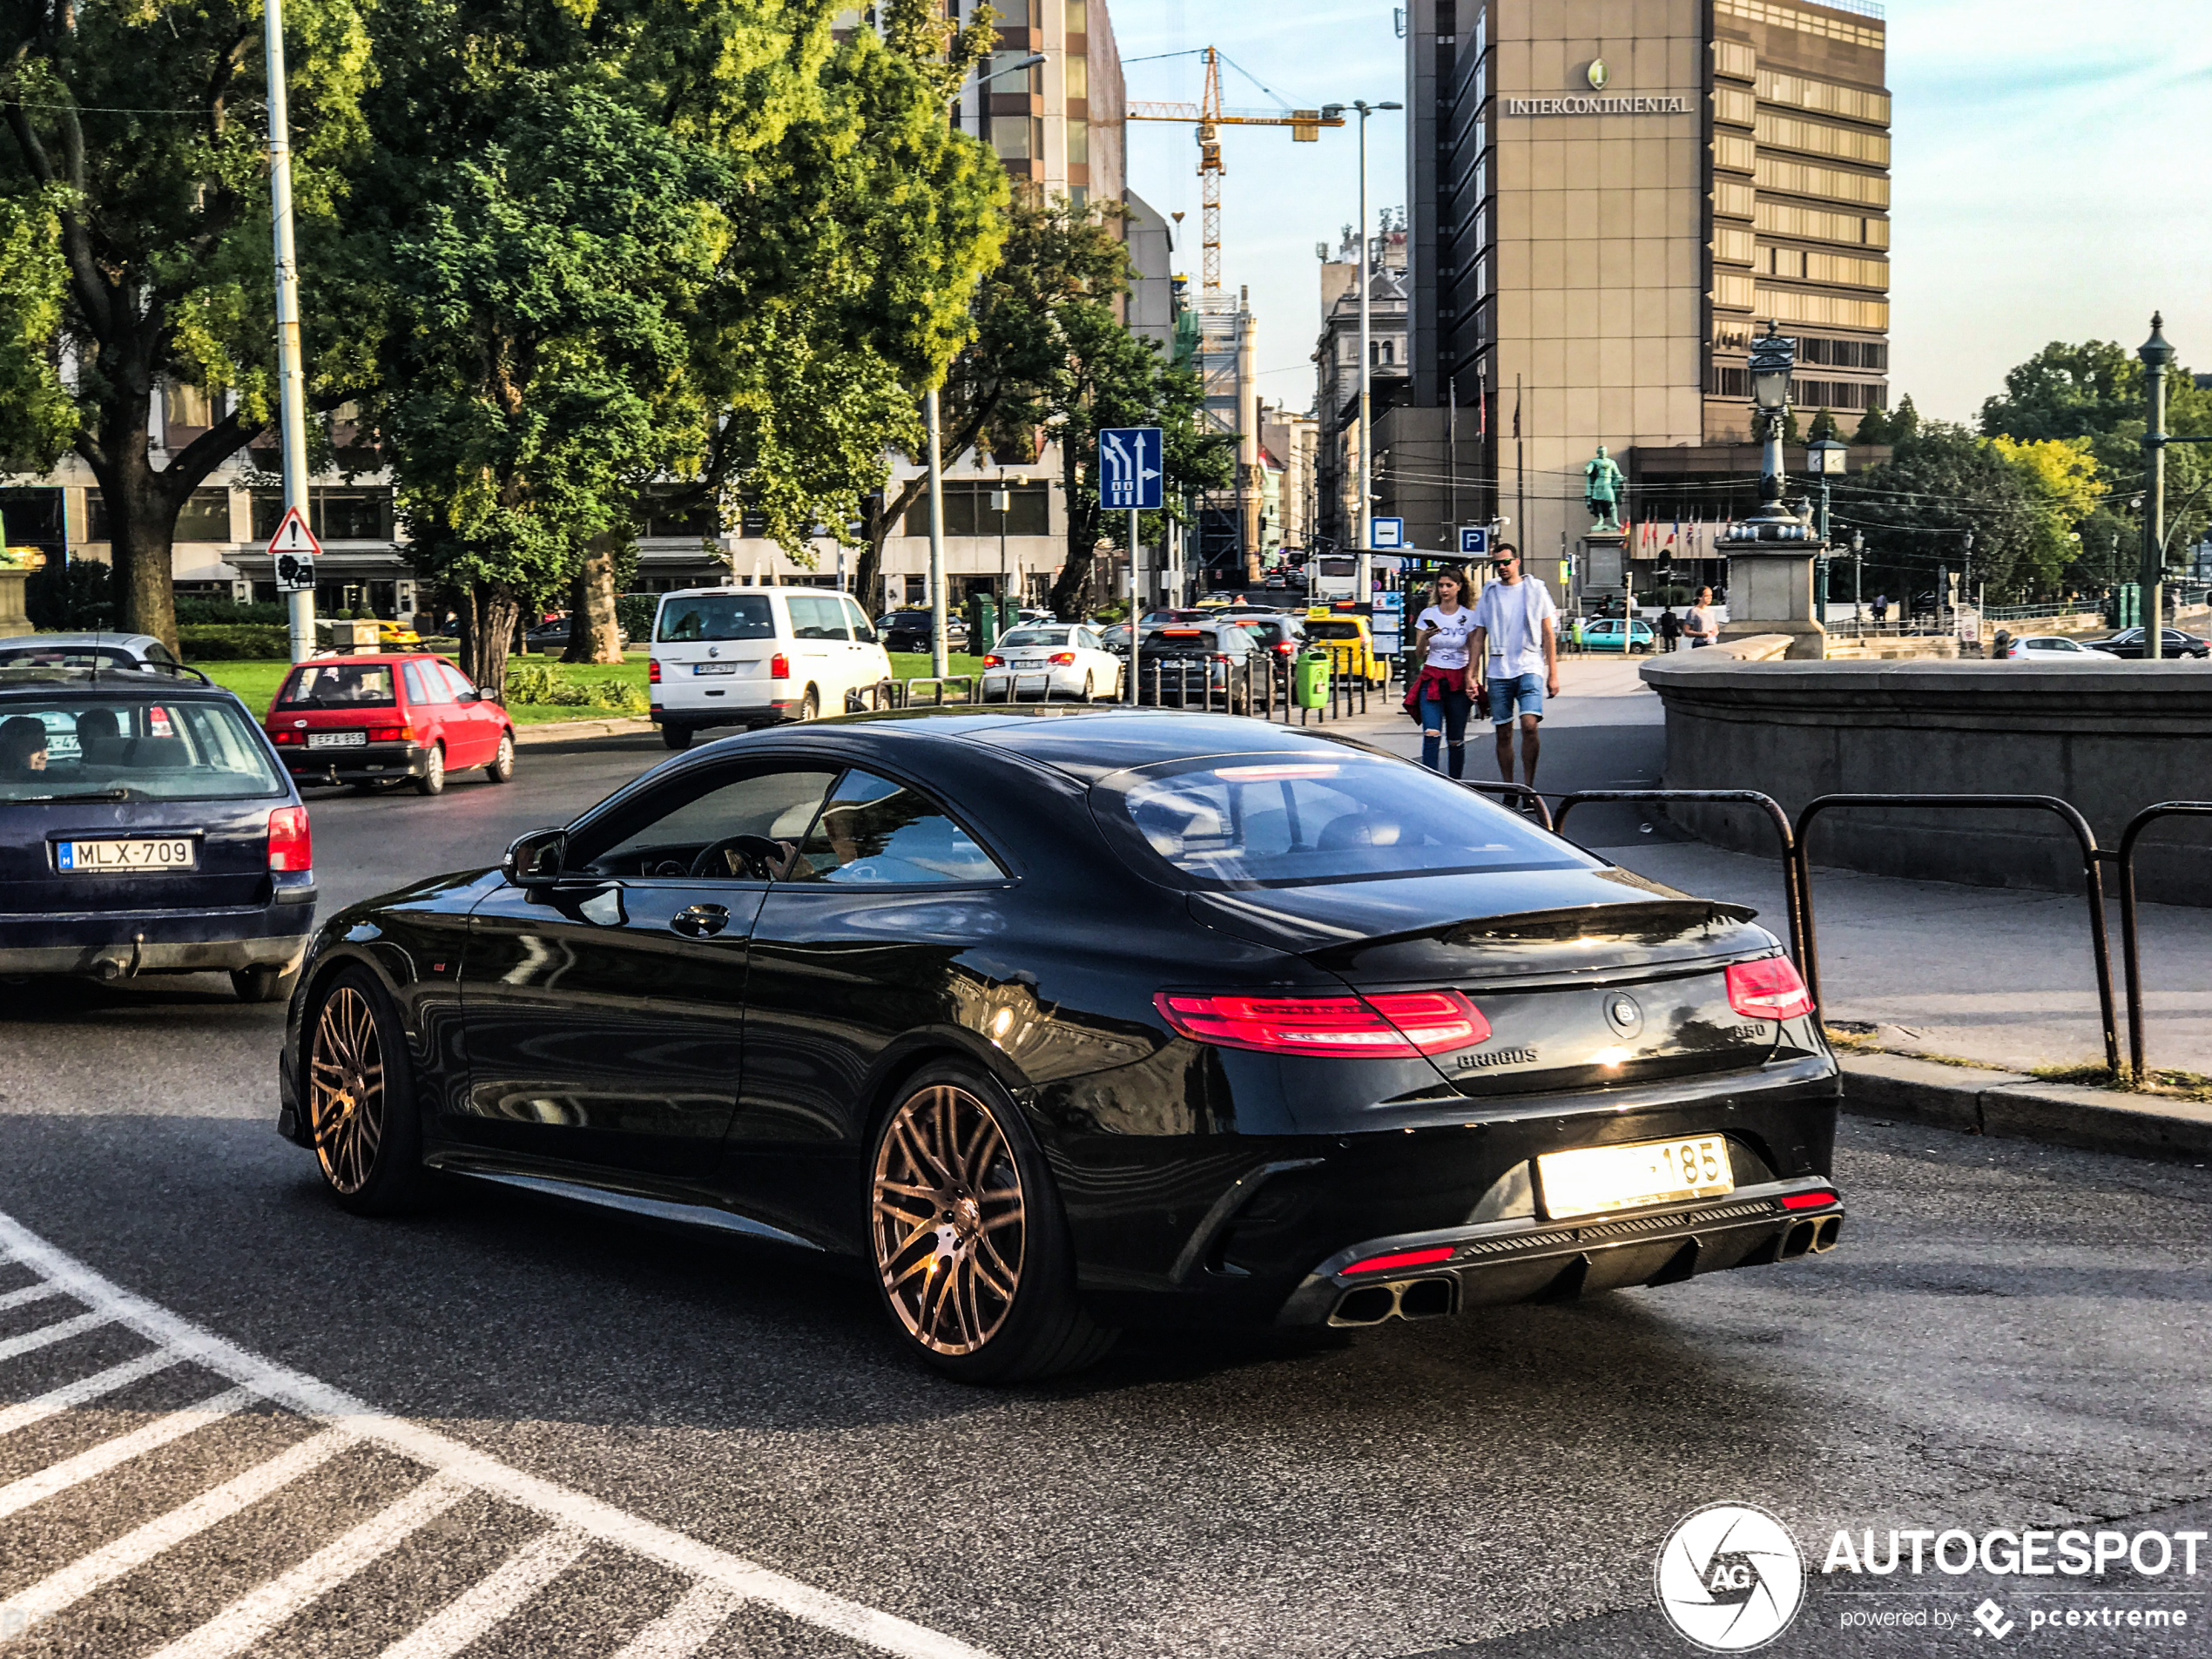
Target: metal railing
<point>2092,877</point>
<point>1519,791</point>
<point>2130,942</point>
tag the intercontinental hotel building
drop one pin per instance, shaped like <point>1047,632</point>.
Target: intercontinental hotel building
<point>1607,198</point>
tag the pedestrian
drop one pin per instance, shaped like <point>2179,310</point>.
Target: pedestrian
<point>1516,645</point>
<point>1669,629</point>
<point>1881,609</point>
<point>1441,690</point>
<point>1704,625</point>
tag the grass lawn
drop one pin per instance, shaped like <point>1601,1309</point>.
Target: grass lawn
<point>257,683</point>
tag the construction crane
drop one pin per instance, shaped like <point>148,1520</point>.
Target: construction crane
<point>1208,116</point>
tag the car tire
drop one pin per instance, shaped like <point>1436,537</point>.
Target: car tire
<point>676,736</point>
<point>502,769</point>
<point>263,982</point>
<point>1090,689</point>
<point>432,780</point>
<point>1007,1311</point>
<point>357,1093</point>
<point>810,706</point>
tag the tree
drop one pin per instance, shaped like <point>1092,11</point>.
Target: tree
<point>1874,427</point>
<point>135,157</point>
<point>2087,391</point>
<point>1942,483</point>
<point>1824,426</point>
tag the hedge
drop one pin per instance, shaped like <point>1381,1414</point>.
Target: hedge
<point>233,643</point>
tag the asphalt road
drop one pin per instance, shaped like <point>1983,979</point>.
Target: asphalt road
<point>499,1427</point>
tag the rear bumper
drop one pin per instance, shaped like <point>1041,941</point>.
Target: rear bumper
<point>769,713</point>
<point>122,944</point>
<point>370,763</point>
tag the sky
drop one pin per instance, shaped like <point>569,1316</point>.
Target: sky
<point>2047,175</point>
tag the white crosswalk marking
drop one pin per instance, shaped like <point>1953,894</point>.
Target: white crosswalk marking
<point>29,1294</point>
<point>98,1460</point>
<point>528,1570</point>
<point>134,1549</point>
<point>246,1620</point>
<point>84,1388</point>
<point>46,1335</point>
<point>686,1627</point>
<point>719,1581</point>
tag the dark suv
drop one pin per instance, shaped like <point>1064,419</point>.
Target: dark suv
<point>146,826</point>
<point>1200,666</point>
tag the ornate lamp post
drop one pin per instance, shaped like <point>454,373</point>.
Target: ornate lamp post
<point>1771,552</point>
<point>1825,460</point>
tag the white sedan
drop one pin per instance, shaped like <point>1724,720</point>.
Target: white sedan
<point>2047,646</point>
<point>1063,657</point>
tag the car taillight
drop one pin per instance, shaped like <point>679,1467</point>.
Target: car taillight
<point>652,671</point>
<point>1768,989</point>
<point>391,734</point>
<point>992,659</point>
<point>1389,1025</point>
<point>288,737</point>
<point>1807,1200</point>
<point>291,846</point>
<point>1287,649</point>
<point>1063,659</point>
<point>779,667</point>
<point>1402,1259</point>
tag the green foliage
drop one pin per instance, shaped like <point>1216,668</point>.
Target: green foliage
<point>634,614</point>
<point>191,610</point>
<point>2089,391</point>
<point>38,419</point>
<point>539,682</point>
<point>1873,427</point>
<point>1824,426</point>
<point>233,642</point>
<point>1943,481</point>
<point>76,597</point>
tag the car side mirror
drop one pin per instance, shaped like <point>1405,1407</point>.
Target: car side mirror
<point>534,860</point>
<point>469,695</point>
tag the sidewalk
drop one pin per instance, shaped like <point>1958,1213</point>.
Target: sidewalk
<point>2001,975</point>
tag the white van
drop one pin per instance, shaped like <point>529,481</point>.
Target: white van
<point>754,657</point>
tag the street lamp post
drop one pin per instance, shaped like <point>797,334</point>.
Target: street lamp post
<point>2158,357</point>
<point>291,377</point>
<point>1857,571</point>
<point>1827,458</point>
<point>1771,551</point>
<point>1364,589</point>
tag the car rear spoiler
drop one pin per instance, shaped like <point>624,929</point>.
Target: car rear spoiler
<point>1643,921</point>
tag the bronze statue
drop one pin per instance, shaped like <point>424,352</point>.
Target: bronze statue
<point>1601,484</point>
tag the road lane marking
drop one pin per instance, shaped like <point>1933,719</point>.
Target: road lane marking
<point>46,1335</point>
<point>686,1627</point>
<point>489,1602</point>
<point>134,1549</point>
<point>98,1460</point>
<point>86,1388</point>
<point>246,1620</point>
<point>351,1418</point>
<point>29,1293</point>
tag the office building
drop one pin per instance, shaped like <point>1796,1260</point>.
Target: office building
<point>1608,198</point>
<point>1337,362</point>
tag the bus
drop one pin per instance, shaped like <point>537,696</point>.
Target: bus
<point>1330,576</point>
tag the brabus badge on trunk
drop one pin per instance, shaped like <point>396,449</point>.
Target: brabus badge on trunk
<point>1624,1014</point>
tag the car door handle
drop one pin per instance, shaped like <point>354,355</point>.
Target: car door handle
<point>701,921</point>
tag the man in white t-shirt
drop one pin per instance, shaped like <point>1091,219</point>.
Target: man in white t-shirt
<point>1516,643</point>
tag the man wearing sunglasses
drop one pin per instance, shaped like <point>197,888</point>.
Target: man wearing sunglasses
<point>1515,644</point>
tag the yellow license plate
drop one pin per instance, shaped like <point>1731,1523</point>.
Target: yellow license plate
<point>1595,1179</point>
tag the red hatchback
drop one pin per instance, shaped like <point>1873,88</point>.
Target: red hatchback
<point>373,719</point>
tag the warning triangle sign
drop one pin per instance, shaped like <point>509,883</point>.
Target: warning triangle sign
<point>294,537</point>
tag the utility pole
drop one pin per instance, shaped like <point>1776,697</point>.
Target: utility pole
<point>2158,357</point>
<point>940,658</point>
<point>291,377</point>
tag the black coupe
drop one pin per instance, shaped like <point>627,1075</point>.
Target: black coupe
<point>1065,1021</point>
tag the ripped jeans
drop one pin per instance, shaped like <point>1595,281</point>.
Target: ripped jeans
<point>1444,720</point>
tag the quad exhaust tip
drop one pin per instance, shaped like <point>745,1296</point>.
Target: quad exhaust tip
<point>1400,1299</point>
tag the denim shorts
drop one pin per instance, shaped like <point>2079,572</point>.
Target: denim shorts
<point>1508,690</point>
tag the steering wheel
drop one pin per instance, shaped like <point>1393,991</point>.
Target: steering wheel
<point>761,857</point>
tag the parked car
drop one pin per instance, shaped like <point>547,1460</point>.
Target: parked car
<point>88,651</point>
<point>1618,633</point>
<point>1278,633</point>
<point>392,637</point>
<point>910,631</point>
<point>1306,1035</point>
<point>1197,665</point>
<point>2128,642</point>
<point>2047,646</point>
<point>378,719</point>
<point>554,635</point>
<point>1053,659</point>
<point>146,826</point>
<point>1350,640</point>
<point>756,656</point>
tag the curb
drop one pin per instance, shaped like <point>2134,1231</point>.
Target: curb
<point>2011,1107</point>
<point>565,730</point>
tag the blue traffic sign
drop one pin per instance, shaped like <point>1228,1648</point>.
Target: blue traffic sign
<point>1385,532</point>
<point>1474,540</point>
<point>1129,467</point>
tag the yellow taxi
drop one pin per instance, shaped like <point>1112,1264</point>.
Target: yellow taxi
<point>391,636</point>
<point>1347,638</point>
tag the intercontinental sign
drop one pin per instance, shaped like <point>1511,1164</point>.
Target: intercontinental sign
<point>1664,104</point>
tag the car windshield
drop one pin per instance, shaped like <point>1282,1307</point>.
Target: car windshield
<point>338,685</point>
<point>1028,637</point>
<point>1272,820</point>
<point>64,747</point>
<point>718,615</point>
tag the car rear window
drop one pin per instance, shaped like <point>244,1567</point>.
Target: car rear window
<point>1271,820</point>
<point>127,749</point>
<point>1333,630</point>
<point>337,685</point>
<point>1035,636</point>
<point>718,615</point>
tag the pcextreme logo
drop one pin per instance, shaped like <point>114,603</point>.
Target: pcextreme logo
<point>1730,1578</point>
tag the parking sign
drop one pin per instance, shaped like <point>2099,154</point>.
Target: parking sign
<point>1385,533</point>
<point>1475,541</point>
<point>1129,467</point>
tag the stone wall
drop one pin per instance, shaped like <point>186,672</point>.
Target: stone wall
<point>2108,736</point>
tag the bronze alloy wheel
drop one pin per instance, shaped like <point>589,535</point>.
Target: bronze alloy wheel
<point>346,1089</point>
<point>948,1219</point>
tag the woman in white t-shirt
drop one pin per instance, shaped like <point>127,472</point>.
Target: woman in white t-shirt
<point>1440,695</point>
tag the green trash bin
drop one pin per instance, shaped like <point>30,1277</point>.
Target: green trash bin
<point>982,623</point>
<point>1310,679</point>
